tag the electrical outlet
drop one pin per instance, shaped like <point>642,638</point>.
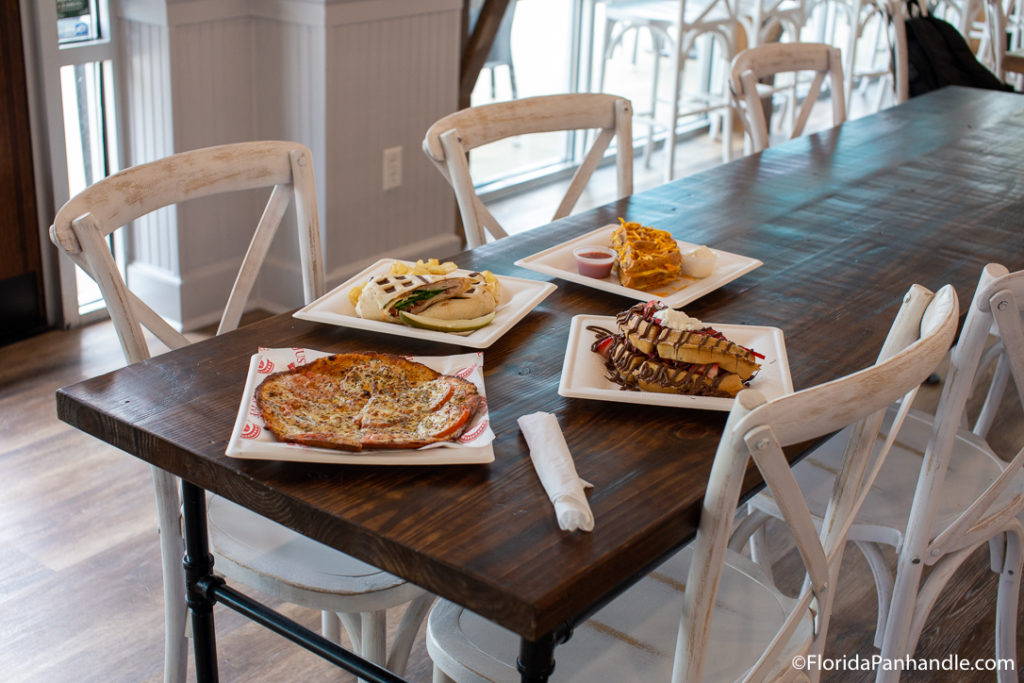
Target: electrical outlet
<point>392,167</point>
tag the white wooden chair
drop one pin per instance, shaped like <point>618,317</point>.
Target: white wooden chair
<point>709,613</point>
<point>448,141</point>
<point>943,492</point>
<point>770,59</point>
<point>248,548</point>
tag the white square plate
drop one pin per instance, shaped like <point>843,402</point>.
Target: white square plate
<point>250,439</point>
<point>560,262</point>
<point>518,297</point>
<point>584,374</point>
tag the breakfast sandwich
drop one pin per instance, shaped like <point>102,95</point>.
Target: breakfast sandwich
<point>429,295</point>
<point>436,296</point>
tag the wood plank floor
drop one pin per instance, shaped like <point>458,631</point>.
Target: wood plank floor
<point>80,587</point>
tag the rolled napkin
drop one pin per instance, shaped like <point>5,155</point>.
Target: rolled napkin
<point>553,462</point>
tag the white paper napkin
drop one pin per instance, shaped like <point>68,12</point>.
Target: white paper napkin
<point>553,462</point>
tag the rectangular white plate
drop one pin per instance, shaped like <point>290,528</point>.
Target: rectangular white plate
<point>584,374</point>
<point>251,441</point>
<point>518,297</point>
<point>560,262</point>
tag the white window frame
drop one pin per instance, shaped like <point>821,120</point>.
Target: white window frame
<point>44,59</point>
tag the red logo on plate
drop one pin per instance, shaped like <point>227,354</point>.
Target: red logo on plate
<point>465,372</point>
<point>250,431</point>
<point>265,366</point>
<point>474,433</point>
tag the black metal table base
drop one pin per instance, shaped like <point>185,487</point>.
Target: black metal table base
<point>203,590</point>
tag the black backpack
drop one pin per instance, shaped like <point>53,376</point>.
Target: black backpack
<point>938,55</point>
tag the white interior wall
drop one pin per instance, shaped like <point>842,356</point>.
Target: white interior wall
<point>348,78</point>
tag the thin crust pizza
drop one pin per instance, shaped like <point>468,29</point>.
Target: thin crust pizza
<point>356,401</point>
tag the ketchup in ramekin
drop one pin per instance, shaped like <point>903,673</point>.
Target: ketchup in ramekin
<point>594,261</point>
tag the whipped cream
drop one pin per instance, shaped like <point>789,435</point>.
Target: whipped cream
<point>699,263</point>
<point>677,320</point>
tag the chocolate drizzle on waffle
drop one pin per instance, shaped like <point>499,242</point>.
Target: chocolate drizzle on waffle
<point>644,355</point>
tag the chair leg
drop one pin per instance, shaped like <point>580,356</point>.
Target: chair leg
<point>997,553</point>
<point>512,81</point>
<point>883,585</point>
<point>656,75</point>
<point>1008,595</point>
<point>759,552</point>
<point>354,628</point>
<point>374,645</point>
<point>682,49</point>
<point>928,595</point>
<point>441,677</point>
<point>408,628</point>
<point>374,637</point>
<point>172,549</point>
<point>330,626</point>
<point>853,16</point>
<point>901,613</point>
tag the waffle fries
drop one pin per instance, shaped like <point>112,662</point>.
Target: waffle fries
<point>646,257</point>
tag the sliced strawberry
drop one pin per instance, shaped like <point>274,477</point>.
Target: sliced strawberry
<point>602,345</point>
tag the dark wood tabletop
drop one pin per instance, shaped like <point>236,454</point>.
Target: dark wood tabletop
<point>844,221</point>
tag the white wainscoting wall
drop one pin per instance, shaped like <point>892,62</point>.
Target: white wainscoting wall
<point>347,78</point>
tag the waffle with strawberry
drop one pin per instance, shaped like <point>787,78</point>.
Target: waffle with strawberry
<point>646,354</point>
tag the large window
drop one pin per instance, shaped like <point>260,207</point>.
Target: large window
<point>557,46</point>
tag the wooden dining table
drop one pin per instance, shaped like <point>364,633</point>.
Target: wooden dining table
<point>844,222</point>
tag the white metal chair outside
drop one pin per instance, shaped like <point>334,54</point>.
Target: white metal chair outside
<point>448,141</point>
<point>708,613</point>
<point>674,27</point>
<point>248,548</point>
<point>1002,42</point>
<point>770,59</point>
<point>942,492</point>
<point>866,29</point>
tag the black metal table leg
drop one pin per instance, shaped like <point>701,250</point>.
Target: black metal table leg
<point>536,660</point>
<point>203,590</point>
<point>198,571</point>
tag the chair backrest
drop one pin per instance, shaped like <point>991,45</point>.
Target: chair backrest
<point>82,225</point>
<point>750,66</point>
<point>448,141</point>
<point>759,429</point>
<point>997,308</point>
